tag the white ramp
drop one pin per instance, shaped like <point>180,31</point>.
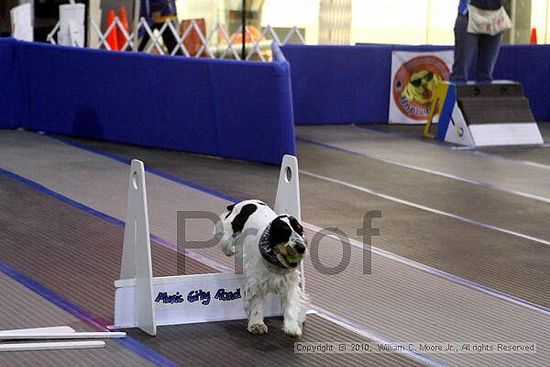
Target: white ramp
<point>486,114</point>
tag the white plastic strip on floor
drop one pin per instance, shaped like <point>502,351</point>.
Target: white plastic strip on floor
<point>62,335</point>
<point>425,208</point>
<point>20,347</point>
<point>37,331</point>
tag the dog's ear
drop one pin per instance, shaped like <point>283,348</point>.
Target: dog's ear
<point>279,232</point>
<point>240,219</point>
<point>296,226</point>
<point>230,209</point>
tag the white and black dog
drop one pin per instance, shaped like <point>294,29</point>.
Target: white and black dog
<point>272,248</point>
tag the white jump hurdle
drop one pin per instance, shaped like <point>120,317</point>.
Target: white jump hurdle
<point>146,302</point>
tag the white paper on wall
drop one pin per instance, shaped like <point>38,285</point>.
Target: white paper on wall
<point>21,22</point>
<point>71,25</point>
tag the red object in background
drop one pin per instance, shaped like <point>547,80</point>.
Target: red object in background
<point>533,38</point>
<point>123,16</point>
<point>193,42</point>
<point>252,32</point>
<point>112,38</point>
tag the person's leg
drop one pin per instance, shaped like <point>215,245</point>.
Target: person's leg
<point>465,47</point>
<point>488,48</point>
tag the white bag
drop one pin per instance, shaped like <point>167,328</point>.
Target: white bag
<point>490,22</point>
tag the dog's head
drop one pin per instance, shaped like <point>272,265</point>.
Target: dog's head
<point>286,237</point>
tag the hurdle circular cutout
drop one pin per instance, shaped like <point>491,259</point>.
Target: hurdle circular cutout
<point>288,174</point>
<point>135,180</point>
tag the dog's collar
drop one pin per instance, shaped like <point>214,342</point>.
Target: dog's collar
<point>267,250</point>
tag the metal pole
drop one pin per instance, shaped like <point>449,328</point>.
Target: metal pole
<point>243,36</point>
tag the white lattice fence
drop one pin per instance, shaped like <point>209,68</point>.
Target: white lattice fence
<point>216,43</point>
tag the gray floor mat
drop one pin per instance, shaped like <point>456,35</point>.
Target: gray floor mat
<point>396,301</point>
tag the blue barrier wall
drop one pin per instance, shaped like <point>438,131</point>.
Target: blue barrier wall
<point>286,88</point>
<point>529,65</point>
<point>225,108</point>
<point>351,84</point>
<point>8,84</point>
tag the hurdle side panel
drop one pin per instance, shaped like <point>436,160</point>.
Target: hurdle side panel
<point>287,200</point>
<point>136,256</point>
<point>187,299</point>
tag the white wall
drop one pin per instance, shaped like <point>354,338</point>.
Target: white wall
<point>289,13</point>
<point>207,9</point>
<point>540,19</point>
<point>441,22</point>
<point>277,13</point>
<point>385,21</point>
<point>404,21</point>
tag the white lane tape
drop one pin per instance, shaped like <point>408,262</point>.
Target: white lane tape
<point>425,208</point>
<point>427,170</point>
<point>439,273</point>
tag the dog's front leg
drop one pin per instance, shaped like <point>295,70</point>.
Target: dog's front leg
<point>254,306</point>
<point>294,308</point>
